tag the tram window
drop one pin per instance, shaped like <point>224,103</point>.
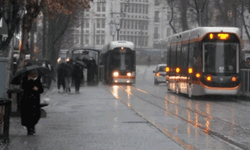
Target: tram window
<point>128,59</point>
<point>173,57</point>
<point>116,60</point>
<point>220,57</point>
<point>230,57</point>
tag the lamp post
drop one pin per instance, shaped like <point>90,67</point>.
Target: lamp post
<point>199,7</point>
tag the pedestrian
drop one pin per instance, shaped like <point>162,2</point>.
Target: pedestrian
<point>91,70</point>
<point>47,79</point>
<point>77,75</point>
<point>247,64</point>
<point>68,75</point>
<point>61,76</point>
<point>30,101</point>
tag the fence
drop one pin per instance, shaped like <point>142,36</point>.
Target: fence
<point>245,81</point>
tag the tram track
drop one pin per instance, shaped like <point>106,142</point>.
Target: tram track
<point>200,126</point>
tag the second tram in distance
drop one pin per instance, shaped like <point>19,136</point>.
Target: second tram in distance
<point>204,61</point>
<point>118,60</point>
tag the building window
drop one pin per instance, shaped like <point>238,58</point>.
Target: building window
<point>157,2</point>
<point>98,7</point>
<point>103,39</point>
<point>98,23</point>
<point>86,37</point>
<point>103,7</point>
<point>156,18</point>
<point>103,23</point>
<point>98,39</point>
<point>86,23</point>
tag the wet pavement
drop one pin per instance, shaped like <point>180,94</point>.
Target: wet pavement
<point>141,116</point>
<point>91,120</point>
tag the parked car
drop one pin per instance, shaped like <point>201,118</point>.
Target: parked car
<point>160,74</point>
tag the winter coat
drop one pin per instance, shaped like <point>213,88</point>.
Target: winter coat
<point>30,102</point>
<point>77,71</point>
<point>69,69</point>
<point>61,71</point>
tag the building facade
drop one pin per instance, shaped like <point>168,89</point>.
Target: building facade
<point>144,22</point>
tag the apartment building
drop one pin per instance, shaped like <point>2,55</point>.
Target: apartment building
<point>143,22</point>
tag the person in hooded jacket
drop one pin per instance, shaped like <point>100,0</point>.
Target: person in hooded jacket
<point>77,75</point>
<point>61,71</point>
<point>30,101</point>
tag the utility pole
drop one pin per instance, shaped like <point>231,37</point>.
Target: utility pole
<point>94,37</point>
<point>44,37</point>
<point>82,26</point>
<point>141,27</point>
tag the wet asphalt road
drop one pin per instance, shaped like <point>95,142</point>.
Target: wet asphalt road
<point>142,116</point>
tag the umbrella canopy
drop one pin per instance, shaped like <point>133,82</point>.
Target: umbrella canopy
<point>81,63</point>
<point>16,79</point>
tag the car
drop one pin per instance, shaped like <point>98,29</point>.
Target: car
<point>160,74</point>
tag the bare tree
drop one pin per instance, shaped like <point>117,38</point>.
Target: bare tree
<point>32,9</point>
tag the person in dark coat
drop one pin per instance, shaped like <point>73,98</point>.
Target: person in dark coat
<point>30,101</point>
<point>61,71</point>
<point>91,70</point>
<point>77,75</point>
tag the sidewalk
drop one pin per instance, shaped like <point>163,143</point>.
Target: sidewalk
<point>92,122</point>
<point>15,125</point>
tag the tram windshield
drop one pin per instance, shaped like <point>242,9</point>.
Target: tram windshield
<point>220,57</point>
<point>122,60</point>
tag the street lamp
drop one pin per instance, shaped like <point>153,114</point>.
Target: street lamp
<point>199,7</point>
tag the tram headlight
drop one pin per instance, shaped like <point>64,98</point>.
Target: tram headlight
<point>177,70</point>
<point>197,75</point>
<point>116,74</point>
<point>167,69</point>
<point>209,78</point>
<point>129,74</point>
<point>190,70</point>
<point>233,79</point>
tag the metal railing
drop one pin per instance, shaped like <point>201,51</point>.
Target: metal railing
<point>245,81</point>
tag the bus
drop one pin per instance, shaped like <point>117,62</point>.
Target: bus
<point>204,61</point>
<point>119,62</point>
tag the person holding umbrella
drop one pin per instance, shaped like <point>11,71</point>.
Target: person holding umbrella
<point>30,101</point>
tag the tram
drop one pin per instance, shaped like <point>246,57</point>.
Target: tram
<point>204,61</point>
<point>119,62</point>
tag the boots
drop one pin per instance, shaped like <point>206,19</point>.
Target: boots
<point>31,130</point>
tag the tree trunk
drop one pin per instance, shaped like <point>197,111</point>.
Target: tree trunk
<point>27,24</point>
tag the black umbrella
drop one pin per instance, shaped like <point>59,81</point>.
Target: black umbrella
<point>16,79</point>
<point>81,63</point>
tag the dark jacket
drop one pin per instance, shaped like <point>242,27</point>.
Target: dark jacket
<point>61,71</point>
<point>69,69</point>
<point>30,102</point>
<point>77,71</point>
